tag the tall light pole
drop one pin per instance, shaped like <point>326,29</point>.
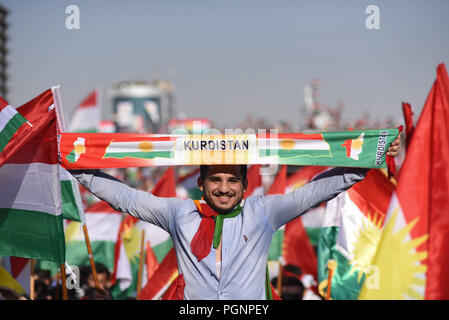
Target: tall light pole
<point>3,52</point>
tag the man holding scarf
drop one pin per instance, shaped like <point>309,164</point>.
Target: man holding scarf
<point>222,242</point>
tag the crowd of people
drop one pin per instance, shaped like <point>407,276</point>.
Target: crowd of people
<point>292,285</point>
<point>49,287</point>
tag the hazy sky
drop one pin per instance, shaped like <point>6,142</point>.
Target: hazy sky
<point>232,58</point>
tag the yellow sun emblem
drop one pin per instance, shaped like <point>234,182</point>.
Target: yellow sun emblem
<point>80,148</point>
<point>72,231</point>
<point>145,146</point>
<point>131,238</point>
<point>357,143</point>
<point>401,268</point>
<point>287,144</point>
<point>365,245</point>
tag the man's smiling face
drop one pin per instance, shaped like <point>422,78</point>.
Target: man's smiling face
<point>223,187</point>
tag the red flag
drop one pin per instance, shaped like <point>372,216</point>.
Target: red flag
<point>87,115</point>
<point>162,277</point>
<point>18,127</point>
<point>280,182</point>
<point>423,187</point>
<point>297,249</point>
<point>254,180</point>
<point>166,186</point>
<point>302,176</point>
<point>372,195</point>
<point>412,255</point>
<point>151,261</point>
<point>17,265</point>
<point>176,289</point>
<point>408,119</point>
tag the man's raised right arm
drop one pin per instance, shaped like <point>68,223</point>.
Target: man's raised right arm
<point>140,204</point>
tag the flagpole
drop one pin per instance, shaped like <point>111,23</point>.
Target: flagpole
<point>139,275</point>
<point>60,116</point>
<point>332,266</point>
<point>279,283</point>
<point>91,258</point>
<point>63,128</point>
<point>32,267</point>
<point>65,295</point>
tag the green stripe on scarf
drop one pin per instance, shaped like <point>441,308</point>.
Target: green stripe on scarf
<point>219,223</point>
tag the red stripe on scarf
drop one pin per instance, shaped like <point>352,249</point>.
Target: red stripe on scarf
<point>202,241</point>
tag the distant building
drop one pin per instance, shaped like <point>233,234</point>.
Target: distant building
<point>3,52</point>
<point>141,107</point>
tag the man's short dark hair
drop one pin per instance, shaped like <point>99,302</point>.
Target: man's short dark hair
<point>205,168</point>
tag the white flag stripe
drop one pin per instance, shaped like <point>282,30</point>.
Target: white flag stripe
<point>400,220</point>
<point>154,234</point>
<point>101,226</point>
<point>64,174</point>
<point>126,147</point>
<point>297,144</point>
<point>333,215</point>
<point>351,221</point>
<point>85,119</point>
<point>342,212</point>
<point>123,269</point>
<point>6,114</point>
<point>314,218</point>
<point>32,186</point>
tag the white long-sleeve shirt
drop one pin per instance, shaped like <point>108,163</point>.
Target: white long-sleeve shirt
<point>246,238</point>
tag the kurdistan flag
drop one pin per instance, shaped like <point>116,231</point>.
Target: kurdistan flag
<point>128,258</point>
<point>30,190</point>
<point>412,256</point>
<point>87,115</point>
<point>350,235</point>
<point>72,205</point>
<point>103,225</point>
<point>14,131</point>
